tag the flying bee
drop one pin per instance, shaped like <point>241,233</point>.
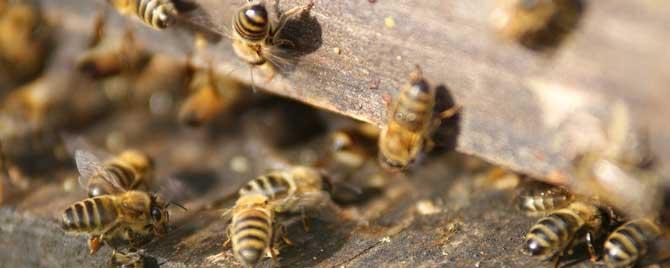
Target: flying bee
<point>626,246</point>
<point>256,39</point>
<point>539,202</point>
<point>411,123</point>
<point>251,229</point>
<point>557,232</point>
<point>158,14</point>
<point>132,259</point>
<point>130,215</point>
<point>132,169</point>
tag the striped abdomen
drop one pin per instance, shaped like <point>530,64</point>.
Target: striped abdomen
<point>91,215</point>
<point>544,202</point>
<point>414,107</point>
<point>251,23</point>
<point>99,185</point>
<point>157,13</point>
<point>251,234</point>
<point>274,186</point>
<point>628,243</point>
<point>551,234</point>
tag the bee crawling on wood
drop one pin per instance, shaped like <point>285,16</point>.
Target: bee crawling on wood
<point>256,37</point>
<point>159,14</point>
<point>411,123</point>
<point>568,220</point>
<point>116,211</point>
<point>631,242</point>
<point>252,229</point>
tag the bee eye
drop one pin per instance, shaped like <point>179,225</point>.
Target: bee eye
<point>156,214</point>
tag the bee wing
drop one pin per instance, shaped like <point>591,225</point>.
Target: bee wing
<point>90,165</point>
<point>73,143</point>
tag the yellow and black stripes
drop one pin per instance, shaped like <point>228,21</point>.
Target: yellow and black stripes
<point>124,175</point>
<point>251,234</point>
<point>157,13</point>
<point>251,23</point>
<point>628,243</point>
<point>415,104</point>
<point>89,215</point>
<point>274,186</point>
<point>553,233</point>
<point>540,203</point>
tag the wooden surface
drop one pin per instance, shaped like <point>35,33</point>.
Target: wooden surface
<point>526,110</point>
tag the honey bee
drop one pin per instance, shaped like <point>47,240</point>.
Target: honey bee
<point>536,24</point>
<point>516,19</point>
<point>630,242</point>
<point>131,215</point>
<point>252,229</point>
<point>132,169</point>
<point>256,39</point>
<point>212,95</point>
<point>158,14</point>
<point>411,123</point>
<point>132,259</point>
<point>292,190</point>
<point>538,202</point>
<point>557,232</point>
<point>24,40</point>
<point>352,147</point>
<point>111,57</point>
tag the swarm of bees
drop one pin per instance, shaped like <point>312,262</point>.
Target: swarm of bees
<point>125,210</point>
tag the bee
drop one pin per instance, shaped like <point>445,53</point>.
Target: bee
<point>256,39</point>
<point>536,24</point>
<point>130,215</point>
<point>24,40</point>
<point>352,147</point>
<point>132,169</point>
<point>411,123</point>
<point>517,19</point>
<point>158,14</point>
<point>292,190</point>
<point>132,259</point>
<point>252,229</point>
<point>212,95</point>
<point>630,242</point>
<point>111,57</point>
<point>557,232</point>
<point>538,202</point>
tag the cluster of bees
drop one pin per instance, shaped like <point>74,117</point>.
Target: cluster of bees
<point>123,211</point>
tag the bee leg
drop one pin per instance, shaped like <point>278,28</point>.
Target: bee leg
<point>284,234</point>
<point>94,244</point>
<point>226,243</point>
<point>303,216</point>
<point>453,110</point>
<point>283,17</point>
<point>589,245</point>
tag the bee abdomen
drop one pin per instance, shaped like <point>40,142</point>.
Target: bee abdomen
<point>628,243</point>
<point>415,106</point>
<point>552,233</point>
<point>252,231</point>
<point>251,23</point>
<point>89,215</point>
<point>536,204</point>
<point>157,13</point>
<point>273,186</point>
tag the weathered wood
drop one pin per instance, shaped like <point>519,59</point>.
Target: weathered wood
<point>531,112</point>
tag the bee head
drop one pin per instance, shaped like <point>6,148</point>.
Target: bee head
<point>159,214</point>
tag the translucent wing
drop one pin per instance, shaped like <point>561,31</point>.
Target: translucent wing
<point>89,166</point>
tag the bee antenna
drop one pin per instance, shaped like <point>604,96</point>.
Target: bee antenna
<point>178,205</point>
